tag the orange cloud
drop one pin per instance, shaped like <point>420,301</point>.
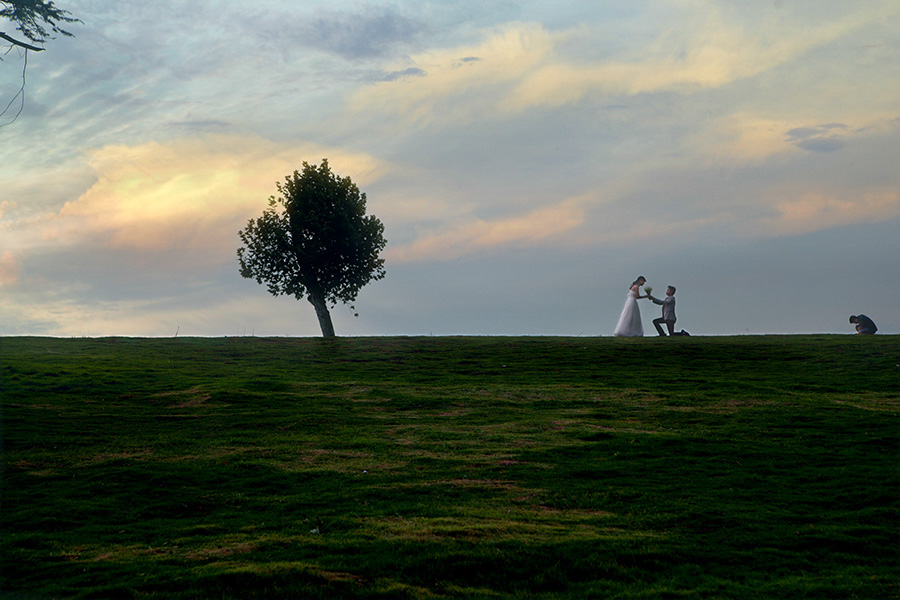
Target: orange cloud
<point>188,192</point>
<point>755,137</point>
<point>454,84</point>
<point>708,49</point>
<point>523,66</point>
<point>814,212</point>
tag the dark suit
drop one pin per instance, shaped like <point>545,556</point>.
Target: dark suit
<point>668,315</point>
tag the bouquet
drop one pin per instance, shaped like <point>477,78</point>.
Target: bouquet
<point>648,289</point>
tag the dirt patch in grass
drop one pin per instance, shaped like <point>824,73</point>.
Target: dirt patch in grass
<point>220,551</point>
<point>870,402</point>
<point>190,398</point>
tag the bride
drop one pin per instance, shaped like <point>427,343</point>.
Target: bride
<point>630,319</point>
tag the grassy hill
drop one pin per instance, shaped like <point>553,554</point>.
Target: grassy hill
<point>733,467</point>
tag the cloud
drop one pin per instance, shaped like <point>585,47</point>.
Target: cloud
<point>244,310</point>
<point>522,66</point>
<point>817,139</point>
<point>9,268</point>
<point>816,211</point>
<point>478,235</point>
<point>746,137</point>
<point>357,35</point>
<point>452,80</point>
<point>706,47</point>
<point>200,125</point>
<point>410,72</point>
<point>822,144</point>
<point>189,192</point>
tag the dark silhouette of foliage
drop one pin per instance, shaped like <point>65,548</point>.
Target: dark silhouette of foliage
<point>31,18</point>
<point>314,241</point>
<point>37,21</point>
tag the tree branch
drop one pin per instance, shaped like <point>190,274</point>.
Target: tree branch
<point>20,93</point>
<point>20,44</point>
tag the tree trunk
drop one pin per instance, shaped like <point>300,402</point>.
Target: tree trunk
<point>322,312</point>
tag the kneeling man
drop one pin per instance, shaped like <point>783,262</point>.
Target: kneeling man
<point>668,313</point>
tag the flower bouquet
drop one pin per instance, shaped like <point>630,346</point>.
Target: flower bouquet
<point>648,289</point>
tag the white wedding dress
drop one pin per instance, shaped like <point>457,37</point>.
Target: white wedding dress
<point>630,321</point>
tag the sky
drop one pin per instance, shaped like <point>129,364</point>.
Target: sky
<point>528,159</point>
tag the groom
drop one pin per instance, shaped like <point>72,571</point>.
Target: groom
<point>668,313</point>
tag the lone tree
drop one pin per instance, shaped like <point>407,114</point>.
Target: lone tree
<point>317,244</point>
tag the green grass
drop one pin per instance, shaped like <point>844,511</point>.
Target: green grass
<point>734,467</point>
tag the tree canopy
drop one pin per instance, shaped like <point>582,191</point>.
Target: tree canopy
<point>314,241</point>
